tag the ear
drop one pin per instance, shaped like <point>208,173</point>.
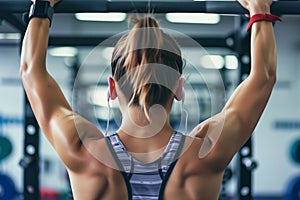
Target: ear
<point>111,88</point>
<point>180,91</point>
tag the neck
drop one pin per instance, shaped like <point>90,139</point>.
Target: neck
<point>136,124</point>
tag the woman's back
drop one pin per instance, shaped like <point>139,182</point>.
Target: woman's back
<point>191,177</point>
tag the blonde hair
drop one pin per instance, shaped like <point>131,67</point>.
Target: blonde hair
<point>134,58</point>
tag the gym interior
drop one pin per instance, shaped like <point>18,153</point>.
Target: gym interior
<point>215,45</point>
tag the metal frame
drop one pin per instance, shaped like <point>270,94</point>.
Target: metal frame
<point>245,163</point>
<point>13,20</point>
<point>244,190</point>
<point>30,161</point>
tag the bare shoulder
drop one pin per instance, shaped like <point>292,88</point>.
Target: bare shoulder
<point>206,143</point>
<point>221,136</point>
<point>100,177</point>
<point>99,153</point>
<point>209,131</point>
<point>189,161</point>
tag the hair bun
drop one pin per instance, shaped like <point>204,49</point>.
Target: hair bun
<point>143,22</point>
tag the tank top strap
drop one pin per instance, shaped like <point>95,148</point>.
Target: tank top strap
<point>123,158</point>
<point>172,151</point>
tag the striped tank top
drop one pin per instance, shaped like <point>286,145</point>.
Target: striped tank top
<point>146,181</point>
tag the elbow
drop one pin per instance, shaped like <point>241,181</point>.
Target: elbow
<point>273,79</point>
<point>24,72</point>
<point>23,69</point>
<point>24,65</point>
<point>267,77</point>
<point>272,76</point>
<point>29,71</point>
<point>271,69</point>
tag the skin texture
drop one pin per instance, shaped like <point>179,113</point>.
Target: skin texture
<point>80,144</point>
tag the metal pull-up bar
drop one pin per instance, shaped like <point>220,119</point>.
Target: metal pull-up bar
<point>221,7</point>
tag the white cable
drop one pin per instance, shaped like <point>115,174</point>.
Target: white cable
<point>186,120</point>
<point>107,122</point>
<point>186,115</point>
<point>108,116</point>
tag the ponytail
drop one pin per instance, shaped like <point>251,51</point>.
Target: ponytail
<point>134,63</point>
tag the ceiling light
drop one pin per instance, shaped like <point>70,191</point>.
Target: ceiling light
<point>63,51</point>
<point>212,61</point>
<point>231,62</point>
<point>101,17</point>
<point>10,36</point>
<point>193,18</point>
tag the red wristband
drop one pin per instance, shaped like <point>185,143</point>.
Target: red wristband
<point>262,17</point>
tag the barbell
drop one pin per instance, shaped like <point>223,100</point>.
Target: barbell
<point>220,7</point>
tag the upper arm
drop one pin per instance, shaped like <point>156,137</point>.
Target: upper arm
<point>225,133</point>
<point>47,101</point>
<point>64,129</point>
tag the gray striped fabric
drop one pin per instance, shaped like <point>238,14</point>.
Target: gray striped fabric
<point>146,178</point>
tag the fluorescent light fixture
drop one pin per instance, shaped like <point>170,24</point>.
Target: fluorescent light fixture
<point>101,17</point>
<point>231,62</point>
<point>212,61</point>
<point>10,36</point>
<point>63,51</point>
<point>193,18</point>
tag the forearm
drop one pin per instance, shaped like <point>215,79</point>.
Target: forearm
<point>263,46</point>
<point>34,49</point>
<point>43,92</point>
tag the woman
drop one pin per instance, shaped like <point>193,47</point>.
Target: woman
<point>162,164</point>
